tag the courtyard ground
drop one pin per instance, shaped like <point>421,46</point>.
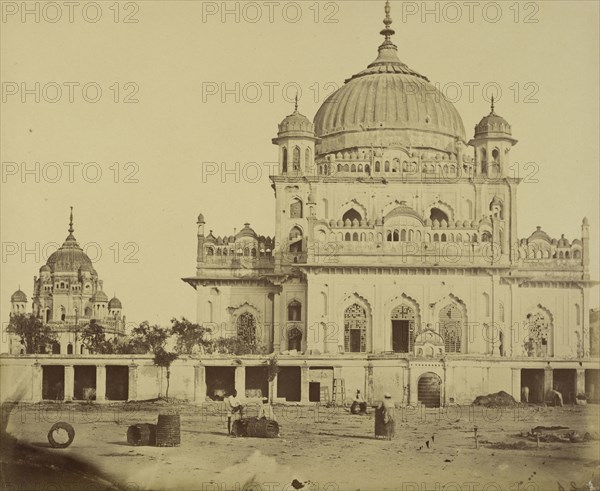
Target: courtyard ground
<point>325,449</point>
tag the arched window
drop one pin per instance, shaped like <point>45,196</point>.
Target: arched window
<point>352,215</point>
<point>294,311</point>
<point>246,329</point>
<point>538,335</point>
<point>501,311</point>
<point>389,236</point>
<point>307,158</point>
<point>443,238</point>
<point>69,349</point>
<point>355,329</point>
<point>355,236</point>
<point>63,313</point>
<point>377,166</point>
<point>403,329</point>
<point>396,236</point>
<point>55,348</point>
<point>403,235</point>
<point>348,237</point>
<point>284,160</point>
<point>295,339</point>
<point>486,237</point>
<point>296,208</point>
<point>439,215</point>
<point>296,159</point>
<point>496,155</point>
<point>387,166</point>
<point>451,321</point>
<point>210,251</point>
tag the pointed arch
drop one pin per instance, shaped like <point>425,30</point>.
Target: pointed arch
<point>357,206</point>
<point>539,324</point>
<point>450,314</point>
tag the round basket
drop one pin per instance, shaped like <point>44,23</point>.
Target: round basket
<point>168,432</point>
<point>141,434</point>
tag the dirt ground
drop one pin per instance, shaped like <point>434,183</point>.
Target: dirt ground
<point>325,449</point>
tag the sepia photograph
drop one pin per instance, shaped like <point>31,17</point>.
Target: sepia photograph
<point>310,245</point>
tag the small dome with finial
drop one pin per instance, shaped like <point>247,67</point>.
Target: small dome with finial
<point>492,123</point>
<point>115,303</point>
<point>69,257</point>
<point>19,296</point>
<point>201,218</point>
<point>246,232</point>
<point>296,124</point>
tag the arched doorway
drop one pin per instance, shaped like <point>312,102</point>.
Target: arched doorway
<point>429,390</point>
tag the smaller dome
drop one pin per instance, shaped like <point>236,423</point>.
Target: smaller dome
<point>201,218</point>
<point>115,303</point>
<point>18,296</point>
<point>492,124</point>
<point>562,242</point>
<point>539,234</point>
<point>45,269</point>
<point>246,232</point>
<point>495,202</point>
<point>99,296</point>
<point>295,125</point>
<point>210,237</point>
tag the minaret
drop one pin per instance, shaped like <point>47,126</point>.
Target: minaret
<point>200,251</point>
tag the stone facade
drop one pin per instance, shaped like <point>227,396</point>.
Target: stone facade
<point>396,251</point>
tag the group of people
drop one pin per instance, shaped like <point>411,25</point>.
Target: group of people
<point>234,406</point>
<point>385,413</point>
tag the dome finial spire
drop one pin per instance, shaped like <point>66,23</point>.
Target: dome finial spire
<point>296,104</point>
<point>492,105</point>
<point>388,32</point>
<point>71,229</point>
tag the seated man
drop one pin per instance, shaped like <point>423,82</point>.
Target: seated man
<point>266,410</point>
<point>359,406</point>
<point>233,406</point>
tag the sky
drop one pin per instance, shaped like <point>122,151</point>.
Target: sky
<point>141,115</point>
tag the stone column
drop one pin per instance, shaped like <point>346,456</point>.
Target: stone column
<point>132,394</point>
<point>580,381</point>
<point>369,383</point>
<point>37,382</point>
<point>516,384</point>
<point>277,326</point>
<point>273,389</point>
<point>304,384</point>
<point>199,384</point>
<point>240,381</point>
<point>69,382</point>
<point>100,383</point>
<point>548,381</point>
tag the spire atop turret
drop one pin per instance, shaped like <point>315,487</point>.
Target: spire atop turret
<point>492,111</point>
<point>296,104</point>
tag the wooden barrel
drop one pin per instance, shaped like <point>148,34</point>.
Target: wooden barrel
<point>141,434</point>
<point>168,430</point>
<point>262,428</point>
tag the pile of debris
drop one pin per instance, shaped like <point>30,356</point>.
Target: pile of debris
<point>551,434</point>
<point>499,399</point>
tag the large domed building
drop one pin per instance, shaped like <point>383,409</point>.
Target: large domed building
<point>396,265</point>
<point>67,295</point>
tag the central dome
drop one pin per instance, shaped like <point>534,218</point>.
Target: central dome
<point>387,104</point>
<point>69,257</point>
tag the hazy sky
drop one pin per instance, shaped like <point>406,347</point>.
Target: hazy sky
<point>175,62</point>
